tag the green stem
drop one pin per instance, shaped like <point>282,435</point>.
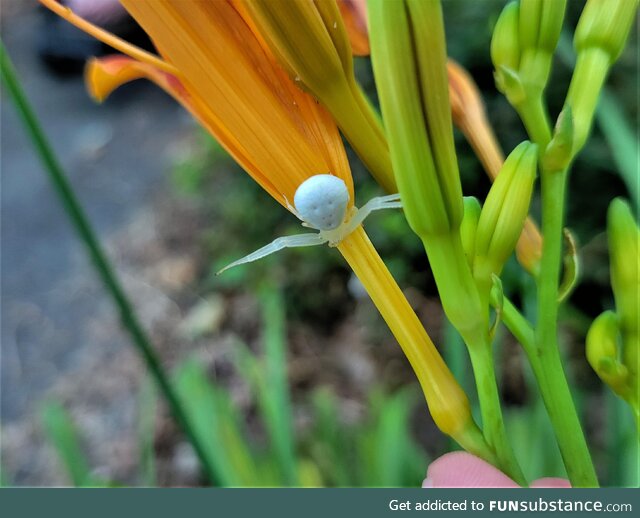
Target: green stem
<point>518,325</point>
<point>534,115</point>
<point>492,420</point>
<point>98,257</point>
<point>548,365</point>
<point>467,310</point>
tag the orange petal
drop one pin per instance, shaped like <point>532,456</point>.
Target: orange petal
<point>104,75</point>
<point>354,15</point>
<point>106,37</point>
<point>278,133</point>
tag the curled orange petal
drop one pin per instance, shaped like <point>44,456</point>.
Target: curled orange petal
<point>354,15</point>
<point>108,38</point>
<point>104,75</point>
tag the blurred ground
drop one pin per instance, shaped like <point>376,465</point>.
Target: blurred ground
<point>57,325</point>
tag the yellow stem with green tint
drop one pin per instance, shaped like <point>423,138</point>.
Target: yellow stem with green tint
<point>448,404</point>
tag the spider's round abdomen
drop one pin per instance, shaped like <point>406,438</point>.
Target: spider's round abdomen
<point>322,201</point>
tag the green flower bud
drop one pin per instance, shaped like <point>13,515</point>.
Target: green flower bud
<point>540,24</point>
<point>600,37</point>
<point>427,26</point>
<point>624,239</point>
<point>530,14</point>
<point>413,88</point>
<point>606,25</point>
<point>505,210</point>
<point>603,355</point>
<point>523,42</point>
<point>505,45</point>
<point>550,24</point>
<point>302,42</point>
<point>468,227</point>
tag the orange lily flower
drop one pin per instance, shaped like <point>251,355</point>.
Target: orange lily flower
<point>219,70</point>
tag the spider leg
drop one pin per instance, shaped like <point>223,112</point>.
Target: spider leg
<point>276,245</point>
<point>291,208</point>
<point>391,201</point>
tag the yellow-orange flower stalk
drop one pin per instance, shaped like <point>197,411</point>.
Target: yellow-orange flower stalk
<point>469,116</point>
<point>222,73</point>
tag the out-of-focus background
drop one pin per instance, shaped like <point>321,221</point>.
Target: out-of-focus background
<point>77,406</point>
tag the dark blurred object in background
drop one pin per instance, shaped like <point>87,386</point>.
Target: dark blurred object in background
<point>65,49</point>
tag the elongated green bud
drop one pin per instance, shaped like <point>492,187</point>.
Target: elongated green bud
<point>540,25</point>
<point>469,226</point>
<point>624,244</point>
<point>505,47</point>
<point>601,35</point>
<point>300,39</point>
<point>523,42</point>
<point>427,28</point>
<point>409,63</point>
<point>504,211</point>
<point>530,15</point>
<point>605,24</point>
<point>603,355</point>
<point>550,24</point>
<point>427,205</point>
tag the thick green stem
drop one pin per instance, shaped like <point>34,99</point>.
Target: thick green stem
<point>534,115</point>
<point>518,325</point>
<point>467,310</point>
<point>98,257</point>
<point>564,418</point>
<point>460,297</point>
<point>548,367</point>
<point>492,421</point>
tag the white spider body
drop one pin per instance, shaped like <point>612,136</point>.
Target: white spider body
<point>321,203</point>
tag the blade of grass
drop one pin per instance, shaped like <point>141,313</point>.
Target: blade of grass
<point>400,460</point>
<point>623,142</point>
<point>331,442</point>
<point>268,380</point>
<point>388,454</point>
<point>98,258</point>
<point>216,425</point>
<point>277,403</point>
<point>61,432</point>
<point>147,409</point>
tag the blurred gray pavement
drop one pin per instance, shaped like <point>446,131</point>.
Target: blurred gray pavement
<point>117,156</point>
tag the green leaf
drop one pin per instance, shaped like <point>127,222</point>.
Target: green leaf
<point>216,424</point>
<point>61,432</point>
<point>571,262</point>
<point>147,408</point>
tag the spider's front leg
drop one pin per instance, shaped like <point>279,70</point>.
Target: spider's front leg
<point>276,245</point>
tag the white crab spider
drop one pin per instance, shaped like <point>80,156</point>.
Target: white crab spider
<point>321,203</point>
